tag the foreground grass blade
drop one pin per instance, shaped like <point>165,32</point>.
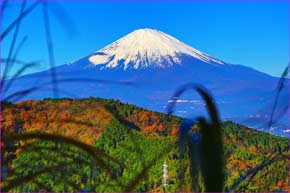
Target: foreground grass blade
<point>211,154</point>
<point>91,150</point>
<point>280,86</point>
<point>14,38</point>
<point>18,181</point>
<point>18,19</point>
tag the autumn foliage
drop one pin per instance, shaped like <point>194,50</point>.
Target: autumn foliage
<point>81,119</point>
<point>105,123</point>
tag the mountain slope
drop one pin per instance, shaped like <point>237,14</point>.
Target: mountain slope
<point>145,68</point>
<point>107,124</point>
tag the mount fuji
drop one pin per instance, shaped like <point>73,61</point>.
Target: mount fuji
<point>146,66</point>
<point>147,48</point>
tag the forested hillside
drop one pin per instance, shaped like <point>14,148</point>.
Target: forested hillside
<point>135,142</point>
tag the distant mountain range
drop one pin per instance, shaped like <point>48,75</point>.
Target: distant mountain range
<point>146,66</point>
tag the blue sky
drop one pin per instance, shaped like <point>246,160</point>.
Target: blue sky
<point>251,33</point>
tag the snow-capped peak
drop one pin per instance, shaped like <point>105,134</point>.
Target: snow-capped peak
<point>146,47</point>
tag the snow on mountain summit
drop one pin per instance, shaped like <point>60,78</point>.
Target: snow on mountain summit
<point>144,48</point>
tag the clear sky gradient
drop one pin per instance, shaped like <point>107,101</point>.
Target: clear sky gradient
<point>251,33</point>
